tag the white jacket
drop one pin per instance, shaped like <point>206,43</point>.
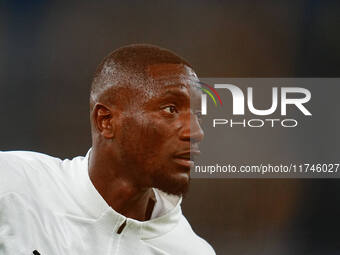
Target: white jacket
<point>50,206</point>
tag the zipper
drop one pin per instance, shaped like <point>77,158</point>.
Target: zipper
<point>121,228</point>
<point>119,237</point>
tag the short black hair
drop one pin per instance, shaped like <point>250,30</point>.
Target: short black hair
<point>127,63</point>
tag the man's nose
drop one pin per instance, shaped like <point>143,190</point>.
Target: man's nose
<point>192,130</point>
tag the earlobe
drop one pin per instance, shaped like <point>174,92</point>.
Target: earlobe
<point>104,121</point>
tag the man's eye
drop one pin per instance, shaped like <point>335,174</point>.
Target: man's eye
<point>198,114</point>
<point>170,109</point>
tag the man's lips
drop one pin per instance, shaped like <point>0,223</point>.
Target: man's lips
<point>187,154</point>
<point>185,158</point>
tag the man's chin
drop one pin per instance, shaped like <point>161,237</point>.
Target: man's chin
<point>178,185</point>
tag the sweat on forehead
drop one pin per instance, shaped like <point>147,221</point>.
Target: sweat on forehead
<point>130,66</point>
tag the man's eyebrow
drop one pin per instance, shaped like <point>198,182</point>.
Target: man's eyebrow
<point>174,92</point>
<point>171,94</point>
<point>176,85</point>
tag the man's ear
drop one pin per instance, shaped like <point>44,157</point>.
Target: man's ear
<point>104,121</point>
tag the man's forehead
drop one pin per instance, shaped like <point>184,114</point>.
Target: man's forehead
<point>167,75</point>
<point>163,70</point>
<point>190,89</point>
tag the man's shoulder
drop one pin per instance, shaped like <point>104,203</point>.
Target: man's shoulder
<point>18,169</point>
<point>21,158</point>
<point>197,243</point>
<point>25,160</point>
<point>23,170</point>
<point>183,240</point>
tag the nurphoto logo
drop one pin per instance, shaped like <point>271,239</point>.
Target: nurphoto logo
<point>295,96</point>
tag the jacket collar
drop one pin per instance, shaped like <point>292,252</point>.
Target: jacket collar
<point>95,207</point>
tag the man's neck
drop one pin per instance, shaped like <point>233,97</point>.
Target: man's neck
<point>119,192</point>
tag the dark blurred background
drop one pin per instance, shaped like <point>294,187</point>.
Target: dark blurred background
<point>50,49</point>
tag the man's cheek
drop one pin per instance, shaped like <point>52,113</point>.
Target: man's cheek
<point>153,138</point>
<point>130,136</point>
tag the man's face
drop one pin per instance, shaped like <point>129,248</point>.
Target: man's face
<point>160,130</point>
